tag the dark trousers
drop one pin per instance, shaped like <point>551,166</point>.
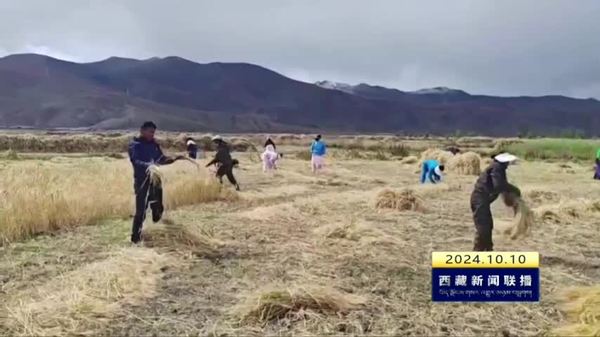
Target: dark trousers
<point>597,172</point>
<point>226,170</point>
<point>484,223</point>
<point>146,195</point>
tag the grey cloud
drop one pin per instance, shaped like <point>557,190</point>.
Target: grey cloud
<point>507,47</point>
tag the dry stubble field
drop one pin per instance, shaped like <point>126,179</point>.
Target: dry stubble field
<point>298,254</point>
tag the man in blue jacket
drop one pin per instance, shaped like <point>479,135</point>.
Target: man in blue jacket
<point>143,152</point>
<point>432,171</point>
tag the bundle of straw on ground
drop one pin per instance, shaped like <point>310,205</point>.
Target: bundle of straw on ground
<point>295,304</point>
<point>443,157</point>
<point>468,163</point>
<point>582,307</point>
<point>404,200</point>
<point>177,237</point>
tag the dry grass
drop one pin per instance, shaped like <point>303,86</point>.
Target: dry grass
<point>177,237</point>
<point>567,212</point>
<point>291,230</point>
<point>582,306</point>
<point>65,194</point>
<point>524,220</point>
<point>295,303</point>
<point>409,160</point>
<point>468,163</point>
<point>443,157</point>
<point>404,200</point>
<point>86,299</point>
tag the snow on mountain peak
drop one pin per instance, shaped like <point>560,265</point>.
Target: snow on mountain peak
<point>336,86</point>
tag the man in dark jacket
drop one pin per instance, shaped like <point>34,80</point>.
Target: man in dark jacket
<point>144,151</point>
<point>491,183</point>
<point>226,163</point>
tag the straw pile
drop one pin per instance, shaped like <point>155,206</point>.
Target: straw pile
<point>178,237</point>
<point>443,157</point>
<point>582,307</point>
<point>295,304</point>
<point>568,211</point>
<point>404,200</point>
<point>468,163</point>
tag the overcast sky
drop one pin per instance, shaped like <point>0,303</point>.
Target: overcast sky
<point>501,47</point>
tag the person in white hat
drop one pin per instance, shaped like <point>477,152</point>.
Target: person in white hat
<point>490,184</point>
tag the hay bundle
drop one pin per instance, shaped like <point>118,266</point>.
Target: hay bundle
<point>443,157</point>
<point>523,218</point>
<point>468,163</point>
<point>541,196</point>
<point>405,200</point>
<point>582,306</point>
<point>295,304</point>
<point>177,237</point>
<point>155,175</point>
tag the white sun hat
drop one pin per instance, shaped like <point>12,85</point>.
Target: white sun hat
<point>217,137</point>
<point>505,158</point>
<point>437,171</point>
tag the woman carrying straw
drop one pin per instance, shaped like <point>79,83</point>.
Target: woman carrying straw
<point>491,183</point>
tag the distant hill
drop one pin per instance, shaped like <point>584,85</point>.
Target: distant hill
<point>42,92</point>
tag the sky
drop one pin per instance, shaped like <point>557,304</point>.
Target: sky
<point>500,47</point>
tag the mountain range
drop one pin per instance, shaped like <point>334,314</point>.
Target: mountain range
<point>38,91</point>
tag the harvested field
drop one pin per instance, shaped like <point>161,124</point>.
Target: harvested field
<point>291,254</point>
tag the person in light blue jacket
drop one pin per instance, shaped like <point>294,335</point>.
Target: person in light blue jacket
<point>432,171</point>
<point>318,150</point>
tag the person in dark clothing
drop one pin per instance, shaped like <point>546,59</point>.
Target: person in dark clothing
<point>144,151</point>
<point>192,148</point>
<point>226,163</point>
<point>270,142</point>
<point>453,149</point>
<point>491,183</point>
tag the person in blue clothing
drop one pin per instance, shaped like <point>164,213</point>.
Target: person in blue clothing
<point>432,171</point>
<point>318,150</point>
<point>144,151</point>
